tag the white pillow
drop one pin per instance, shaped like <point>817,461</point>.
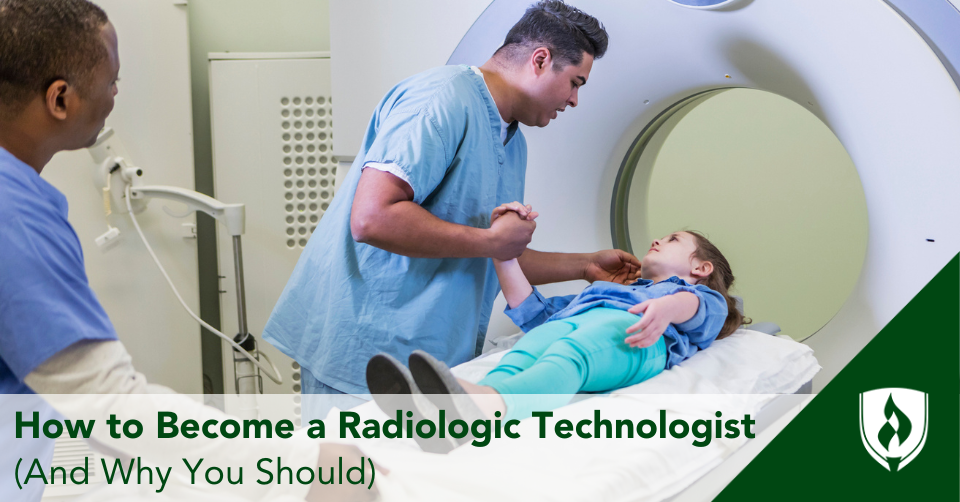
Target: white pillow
<point>746,362</point>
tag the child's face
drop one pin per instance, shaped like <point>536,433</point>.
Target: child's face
<point>669,256</point>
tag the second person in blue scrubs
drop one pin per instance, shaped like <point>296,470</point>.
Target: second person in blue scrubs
<point>401,260</point>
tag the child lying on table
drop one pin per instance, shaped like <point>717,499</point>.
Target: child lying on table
<point>608,337</point>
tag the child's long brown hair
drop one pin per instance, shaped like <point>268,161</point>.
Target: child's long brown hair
<point>720,280</point>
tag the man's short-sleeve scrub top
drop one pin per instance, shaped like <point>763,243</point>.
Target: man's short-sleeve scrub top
<point>347,301</point>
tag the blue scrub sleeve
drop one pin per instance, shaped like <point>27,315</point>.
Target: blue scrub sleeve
<point>46,303</point>
<point>413,141</point>
<point>535,309</point>
<point>705,325</point>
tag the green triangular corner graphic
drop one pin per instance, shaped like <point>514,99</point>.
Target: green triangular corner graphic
<point>820,456</point>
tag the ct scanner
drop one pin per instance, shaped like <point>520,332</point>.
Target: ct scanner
<point>882,75</point>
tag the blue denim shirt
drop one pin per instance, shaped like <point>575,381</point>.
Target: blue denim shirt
<point>683,340</point>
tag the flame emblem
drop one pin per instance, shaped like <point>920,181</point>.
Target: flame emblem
<point>887,425</point>
<point>888,430</point>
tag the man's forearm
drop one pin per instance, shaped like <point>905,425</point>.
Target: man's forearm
<point>92,380</point>
<point>408,229</point>
<point>545,268</point>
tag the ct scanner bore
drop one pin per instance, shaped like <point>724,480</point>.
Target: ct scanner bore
<point>771,186</point>
<point>879,74</point>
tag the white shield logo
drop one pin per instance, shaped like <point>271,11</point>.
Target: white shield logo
<point>893,425</point>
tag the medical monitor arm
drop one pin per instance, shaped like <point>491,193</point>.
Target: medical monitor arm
<point>231,215</point>
<point>106,152</point>
<point>247,378</point>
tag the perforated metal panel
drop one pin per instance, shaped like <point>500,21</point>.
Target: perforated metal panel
<point>272,126</point>
<point>306,125</point>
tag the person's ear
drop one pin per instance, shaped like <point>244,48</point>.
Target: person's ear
<point>702,270</point>
<point>540,59</point>
<point>58,97</point>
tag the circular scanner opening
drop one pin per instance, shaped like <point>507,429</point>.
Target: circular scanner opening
<point>769,184</point>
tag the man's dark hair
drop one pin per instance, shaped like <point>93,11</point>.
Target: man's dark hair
<point>42,41</point>
<point>566,31</point>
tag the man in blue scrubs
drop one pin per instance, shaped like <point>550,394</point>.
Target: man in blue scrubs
<point>401,260</point>
<point>46,304</point>
<point>58,78</point>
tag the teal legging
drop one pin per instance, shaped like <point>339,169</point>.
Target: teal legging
<point>585,352</point>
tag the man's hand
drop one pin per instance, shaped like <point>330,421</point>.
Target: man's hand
<point>510,235</point>
<point>658,313</point>
<point>612,265</point>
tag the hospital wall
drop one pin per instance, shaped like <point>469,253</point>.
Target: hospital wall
<point>152,122</point>
<point>236,26</point>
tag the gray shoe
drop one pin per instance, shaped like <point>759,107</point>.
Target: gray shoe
<point>393,388</point>
<point>434,379</point>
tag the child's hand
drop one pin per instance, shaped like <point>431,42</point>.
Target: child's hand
<point>525,212</point>
<point>658,313</point>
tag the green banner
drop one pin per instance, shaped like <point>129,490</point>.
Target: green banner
<point>887,427</point>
